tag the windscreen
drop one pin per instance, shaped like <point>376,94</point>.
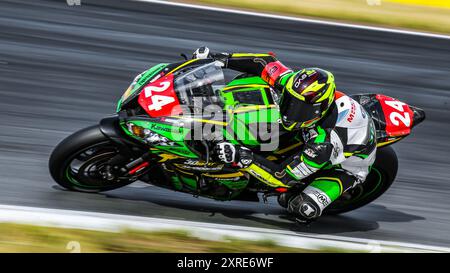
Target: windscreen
<point>200,86</point>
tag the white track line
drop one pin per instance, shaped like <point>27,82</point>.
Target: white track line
<point>298,19</point>
<point>116,222</point>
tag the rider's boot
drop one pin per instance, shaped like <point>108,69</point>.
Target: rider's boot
<point>318,195</point>
<point>304,208</point>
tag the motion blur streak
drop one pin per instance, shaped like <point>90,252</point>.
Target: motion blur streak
<point>63,68</point>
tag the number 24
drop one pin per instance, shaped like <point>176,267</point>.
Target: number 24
<point>397,117</point>
<point>158,101</point>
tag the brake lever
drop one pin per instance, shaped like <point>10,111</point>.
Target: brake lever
<point>184,56</point>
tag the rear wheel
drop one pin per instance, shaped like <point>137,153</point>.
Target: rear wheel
<point>80,162</point>
<point>380,178</point>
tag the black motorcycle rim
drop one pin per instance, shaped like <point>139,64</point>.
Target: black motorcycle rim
<point>86,168</point>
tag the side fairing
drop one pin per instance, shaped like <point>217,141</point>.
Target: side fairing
<point>160,135</point>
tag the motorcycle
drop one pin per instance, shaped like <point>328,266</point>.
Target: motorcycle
<point>163,126</point>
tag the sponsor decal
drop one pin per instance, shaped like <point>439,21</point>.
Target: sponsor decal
<point>272,71</point>
<point>296,171</point>
<point>313,133</point>
<point>158,127</point>
<point>322,198</point>
<point>246,161</point>
<point>318,196</point>
<point>199,168</point>
<point>237,178</point>
<point>299,81</point>
<point>303,76</point>
<point>352,114</point>
<point>194,162</point>
<point>310,152</point>
<point>156,139</point>
<point>257,175</point>
<point>336,150</point>
<point>310,134</point>
<point>260,177</point>
<point>341,115</point>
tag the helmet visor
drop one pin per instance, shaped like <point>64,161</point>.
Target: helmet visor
<point>295,110</point>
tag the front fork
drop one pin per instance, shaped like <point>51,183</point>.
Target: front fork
<point>129,149</point>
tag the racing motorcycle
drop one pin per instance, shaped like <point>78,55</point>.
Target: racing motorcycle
<point>152,137</point>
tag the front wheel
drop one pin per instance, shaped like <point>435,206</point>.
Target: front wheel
<point>381,177</point>
<point>80,162</point>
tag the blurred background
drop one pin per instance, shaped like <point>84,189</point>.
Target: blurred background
<point>428,15</point>
<point>64,65</point>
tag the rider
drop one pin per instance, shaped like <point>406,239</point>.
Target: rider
<point>338,134</point>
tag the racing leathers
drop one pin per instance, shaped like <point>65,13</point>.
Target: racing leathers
<point>338,150</point>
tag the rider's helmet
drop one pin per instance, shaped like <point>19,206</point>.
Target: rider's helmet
<point>306,98</point>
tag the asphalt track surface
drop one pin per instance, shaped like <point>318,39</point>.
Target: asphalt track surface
<point>63,68</point>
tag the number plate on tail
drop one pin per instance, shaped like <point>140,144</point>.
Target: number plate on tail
<point>398,116</point>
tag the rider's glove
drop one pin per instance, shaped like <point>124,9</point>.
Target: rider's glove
<point>201,53</point>
<point>204,53</point>
<point>234,155</point>
<point>226,152</point>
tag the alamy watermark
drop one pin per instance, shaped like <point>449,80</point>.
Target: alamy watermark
<point>73,2</point>
<point>74,247</point>
<point>255,124</point>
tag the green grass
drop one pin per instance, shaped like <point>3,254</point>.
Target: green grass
<point>27,238</point>
<point>432,16</point>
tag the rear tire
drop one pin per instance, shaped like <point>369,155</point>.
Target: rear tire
<point>88,148</point>
<point>383,174</point>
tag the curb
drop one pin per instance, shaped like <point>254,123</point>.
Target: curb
<point>210,231</point>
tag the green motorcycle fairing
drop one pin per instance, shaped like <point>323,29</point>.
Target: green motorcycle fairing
<point>247,105</point>
<point>138,82</point>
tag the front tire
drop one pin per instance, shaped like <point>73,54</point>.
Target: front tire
<point>78,162</point>
<point>383,174</point>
